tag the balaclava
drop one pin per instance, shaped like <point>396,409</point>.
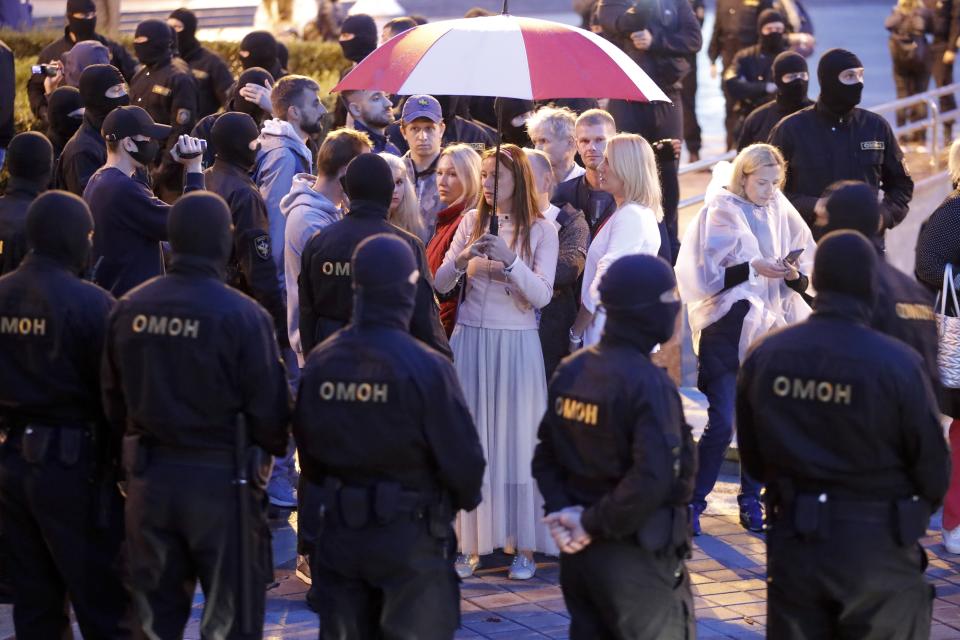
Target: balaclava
<point>839,98</point>
<point>851,204</point>
<point>58,227</point>
<point>186,39</point>
<point>369,178</point>
<point>259,49</point>
<point>82,28</point>
<point>514,108</point>
<point>384,281</point>
<point>234,136</point>
<point>790,94</point>
<point>64,112</point>
<point>30,158</point>
<point>158,43</point>
<point>639,294</point>
<point>772,43</point>
<point>254,75</point>
<point>363,30</point>
<point>200,226</point>
<point>846,264</point>
<point>95,81</point>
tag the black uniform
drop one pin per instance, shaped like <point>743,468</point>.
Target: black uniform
<point>326,297</point>
<point>251,268</point>
<point>30,156</point>
<point>841,424</point>
<point>119,58</point>
<point>165,88</point>
<point>688,92</point>
<point>389,454</point>
<point>746,79</point>
<point>7,93</point>
<point>791,97</point>
<point>64,116</point>
<point>193,378</point>
<point>210,72</point>
<point>62,514</point>
<point>676,36</point>
<point>614,441</point>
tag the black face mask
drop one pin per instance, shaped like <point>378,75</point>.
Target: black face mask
<point>771,42</point>
<point>842,98</point>
<point>793,93</point>
<point>151,52</point>
<point>83,28</point>
<point>146,151</point>
<point>837,97</point>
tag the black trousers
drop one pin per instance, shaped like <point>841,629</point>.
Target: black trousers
<point>658,121</point>
<point>59,549</point>
<point>618,591</point>
<point>691,126</point>
<point>183,525</point>
<point>859,583</point>
<point>392,581</point>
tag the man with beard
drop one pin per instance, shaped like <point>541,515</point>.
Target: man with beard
<point>749,79</point>
<point>165,88</point>
<point>210,72</point>
<point>792,79</point>
<point>81,25</point>
<point>834,140</point>
<point>102,90</point>
<point>249,95</point>
<point>372,114</point>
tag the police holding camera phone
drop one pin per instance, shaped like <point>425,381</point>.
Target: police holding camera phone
<point>193,379</point>
<point>841,425</point>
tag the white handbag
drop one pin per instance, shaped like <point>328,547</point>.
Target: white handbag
<point>948,329</point>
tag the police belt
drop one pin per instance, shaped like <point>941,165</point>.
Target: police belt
<point>33,440</point>
<point>139,452</point>
<point>380,503</point>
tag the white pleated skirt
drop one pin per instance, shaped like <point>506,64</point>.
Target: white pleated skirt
<point>502,375</point>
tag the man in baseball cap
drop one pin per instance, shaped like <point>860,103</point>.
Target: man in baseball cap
<point>421,125</point>
<point>130,220</point>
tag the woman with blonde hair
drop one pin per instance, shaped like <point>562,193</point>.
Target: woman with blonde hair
<point>628,173</point>
<point>740,272</point>
<point>458,187</point>
<point>404,210</point>
<point>507,278</point>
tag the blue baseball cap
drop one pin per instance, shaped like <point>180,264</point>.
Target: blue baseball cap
<point>421,107</point>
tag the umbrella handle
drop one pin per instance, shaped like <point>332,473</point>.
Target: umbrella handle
<point>494,223</point>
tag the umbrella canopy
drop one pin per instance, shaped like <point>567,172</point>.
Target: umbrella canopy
<point>502,56</point>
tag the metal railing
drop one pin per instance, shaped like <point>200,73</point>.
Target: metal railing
<point>931,124</point>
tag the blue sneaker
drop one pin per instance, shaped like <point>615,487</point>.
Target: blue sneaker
<point>695,511</point>
<point>751,513</point>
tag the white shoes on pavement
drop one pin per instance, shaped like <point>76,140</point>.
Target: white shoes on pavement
<point>466,565</point>
<point>523,568</point>
<point>951,540</point>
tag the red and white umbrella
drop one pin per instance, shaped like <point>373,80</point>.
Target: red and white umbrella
<point>502,56</point>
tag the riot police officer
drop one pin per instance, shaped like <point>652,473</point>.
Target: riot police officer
<point>792,78</point>
<point>389,454</point>
<point>251,268</point>
<point>62,514</point>
<point>615,465</point>
<point>237,101</point>
<point>840,423</point>
<point>165,88</point>
<point>834,140</point>
<point>192,377</point>
<point>209,70</point>
<point>29,162</point>
<point>326,299</point>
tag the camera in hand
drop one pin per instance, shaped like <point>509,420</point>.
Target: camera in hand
<point>190,156</point>
<point>50,70</point>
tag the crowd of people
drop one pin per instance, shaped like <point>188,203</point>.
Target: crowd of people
<point>435,346</point>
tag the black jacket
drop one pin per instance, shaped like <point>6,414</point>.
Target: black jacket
<point>557,317</point>
<point>674,27</point>
<point>82,156</point>
<point>746,79</point>
<point>212,77</point>
<point>326,293</point>
<point>119,57</point>
<point>758,125</point>
<point>614,440</point>
<point>821,148</point>
<point>52,327</point>
<point>376,404</point>
<point>251,268</point>
<point>596,205</point>
<point>13,221</point>
<point>8,91</point>
<point>185,355</point>
<point>734,27</point>
<point>836,407</point>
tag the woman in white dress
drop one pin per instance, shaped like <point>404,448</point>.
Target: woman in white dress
<point>628,173</point>
<point>497,355</point>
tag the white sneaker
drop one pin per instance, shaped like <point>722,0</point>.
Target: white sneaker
<point>466,565</point>
<point>523,568</point>
<point>303,570</point>
<point>951,540</point>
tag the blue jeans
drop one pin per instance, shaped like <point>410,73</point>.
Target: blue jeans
<point>721,392</point>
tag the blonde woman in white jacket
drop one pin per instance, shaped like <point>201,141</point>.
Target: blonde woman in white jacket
<point>498,359</point>
<point>628,173</point>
